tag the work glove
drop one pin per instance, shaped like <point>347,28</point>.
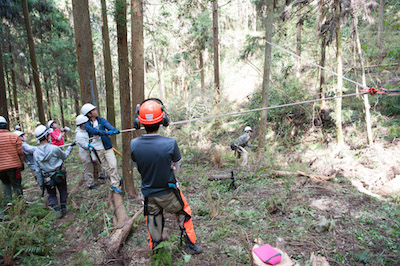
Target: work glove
<point>110,133</point>
<point>90,146</point>
<point>73,144</point>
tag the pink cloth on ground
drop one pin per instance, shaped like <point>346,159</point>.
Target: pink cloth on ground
<point>268,254</point>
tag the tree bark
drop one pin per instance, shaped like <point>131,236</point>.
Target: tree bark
<point>137,54</point>
<point>84,51</point>
<point>339,92</point>
<point>121,232</point>
<point>298,40</point>
<point>380,23</point>
<point>321,21</point>
<point>9,97</point>
<point>108,72</point>
<point>202,76</point>
<point>266,77</point>
<point>367,107</point>
<point>125,97</point>
<point>216,53</point>
<point>39,95</point>
<point>60,101</point>
<point>3,91</point>
<point>47,88</point>
<point>13,81</point>
<point>322,73</point>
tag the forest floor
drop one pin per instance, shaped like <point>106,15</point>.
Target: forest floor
<point>333,219</point>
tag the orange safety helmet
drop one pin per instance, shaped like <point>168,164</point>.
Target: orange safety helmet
<point>151,112</point>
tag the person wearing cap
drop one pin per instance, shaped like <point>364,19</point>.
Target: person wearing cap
<point>50,170</point>
<point>56,134</point>
<point>157,159</point>
<point>11,159</point>
<point>85,149</point>
<point>28,149</point>
<point>17,127</point>
<point>100,130</point>
<point>240,143</point>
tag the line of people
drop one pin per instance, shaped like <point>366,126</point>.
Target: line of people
<point>157,159</point>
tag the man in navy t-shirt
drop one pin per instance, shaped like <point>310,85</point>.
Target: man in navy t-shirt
<point>157,158</point>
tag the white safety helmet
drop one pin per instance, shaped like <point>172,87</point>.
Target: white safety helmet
<point>81,119</point>
<point>87,107</point>
<point>38,123</point>
<point>17,127</point>
<point>19,133</point>
<point>50,123</point>
<point>41,132</point>
<point>247,129</point>
<point>3,120</point>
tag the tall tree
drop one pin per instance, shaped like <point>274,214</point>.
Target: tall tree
<point>3,91</point>
<point>321,20</point>
<point>108,73</point>
<point>216,52</point>
<point>125,98</point>
<point>339,89</point>
<point>32,53</point>
<point>298,39</point>
<point>380,23</point>
<point>84,51</point>
<point>367,107</point>
<point>13,81</point>
<point>266,76</point>
<point>137,53</point>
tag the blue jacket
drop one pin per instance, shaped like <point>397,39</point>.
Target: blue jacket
<point>103,125</point>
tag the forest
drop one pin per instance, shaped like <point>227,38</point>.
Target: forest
<point>317,81</point>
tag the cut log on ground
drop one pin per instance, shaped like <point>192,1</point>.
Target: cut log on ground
<point>299,173</point>
<point>118,237</point>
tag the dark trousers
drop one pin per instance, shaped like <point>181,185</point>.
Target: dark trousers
<point>10,183</point>
<point>62,190</point>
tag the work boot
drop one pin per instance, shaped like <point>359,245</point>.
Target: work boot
<point>63,209</point>
<point>59,214</point>
<point>191,248</point>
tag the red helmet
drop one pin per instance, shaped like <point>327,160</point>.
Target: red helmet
<point>150,113</point>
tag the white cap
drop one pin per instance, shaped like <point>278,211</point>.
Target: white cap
<point>247,129</point>
<point>50,123</point>
<point>81,119</point>
<point>19,133</point>
<point>2,120</point>
<point>17,127</point>
<point>38,123</point>
<point>41,131</point>
<point>87,107</point>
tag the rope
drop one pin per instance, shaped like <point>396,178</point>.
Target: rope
<point>244,112</point>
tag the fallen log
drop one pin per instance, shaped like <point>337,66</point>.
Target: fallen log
<point>299,173</point>
<point>118,237</point>
<point>221,177</point>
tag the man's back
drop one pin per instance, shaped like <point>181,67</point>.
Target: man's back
<point>154,156</point>
<point>243,140</point>
<point>11,150</point>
